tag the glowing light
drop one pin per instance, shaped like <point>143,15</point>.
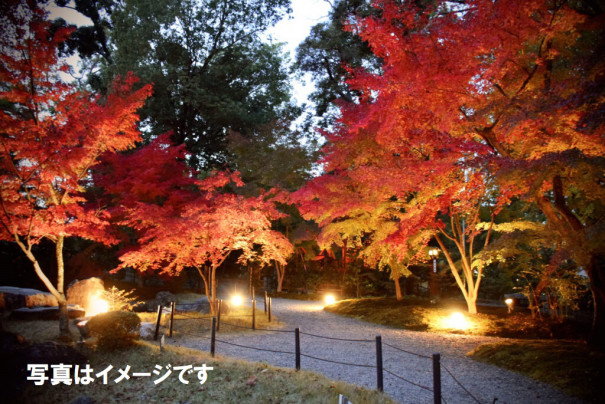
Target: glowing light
<point>456,321</point>
<point>97,305</point>
<point>237,300</point>
<point>329,299</point>
<point>508,301</point>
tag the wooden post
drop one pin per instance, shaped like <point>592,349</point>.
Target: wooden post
<point>252,290</point>
<point>436,378</point>
<point>297,347</point>
<point>265,302</point>
<point>254,314</point>
<point>218,315</point>
<point>379,384</point>
<point>213,337</point>
<point>157,323</point>
<point>172,308</point>
<point>269,308</point>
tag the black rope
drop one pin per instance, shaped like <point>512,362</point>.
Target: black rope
<point>256,349</point>
<point>338,339</point>
<point>407,352</point>
<point>273,329</point>
<point>408,381</point>
<point>337,362</point>
<point>235,325</point>
<point>460,384</point>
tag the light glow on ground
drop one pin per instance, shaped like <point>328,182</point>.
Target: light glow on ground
<point>329,299</point>
<point>237,300</point>
<point>456,321</point>
<point>97,305</point>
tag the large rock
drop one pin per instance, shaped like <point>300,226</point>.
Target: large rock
<point>147,331</point>
<point>79,292</point>
<point>45,313</point>
<point>16,354</point>
<point>164,298</point>
<point>12,298</point>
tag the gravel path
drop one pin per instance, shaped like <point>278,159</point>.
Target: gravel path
<point>484,382</point>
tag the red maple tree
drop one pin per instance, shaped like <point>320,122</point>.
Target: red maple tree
<point>478,97</point>
<point>50,136</point>
<point>182,222</point>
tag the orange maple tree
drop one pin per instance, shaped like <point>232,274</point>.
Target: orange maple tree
<point>478,101</point>
<point>182,221</point>
<point>50,136</point>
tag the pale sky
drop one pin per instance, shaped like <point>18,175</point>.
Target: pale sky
<point>292,31</point>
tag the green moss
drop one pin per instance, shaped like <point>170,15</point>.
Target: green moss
<point>569,366</point>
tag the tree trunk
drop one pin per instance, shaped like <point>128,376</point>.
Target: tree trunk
<point>62,302</point>
<point>213,302</point>
<point>471,303</point>
<point>206,289</point>
<point>398,293</point>
<point>281,272</point>
<point>57,292</point>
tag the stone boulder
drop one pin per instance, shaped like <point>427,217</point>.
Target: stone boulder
<point>79,292</point>
<point>16,354</point>
<point>12,298</point>
<point>45,313</point>
<point>164,298</point>
<point>147,331</point>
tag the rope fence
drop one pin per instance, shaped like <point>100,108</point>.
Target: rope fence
<point>380,369</point>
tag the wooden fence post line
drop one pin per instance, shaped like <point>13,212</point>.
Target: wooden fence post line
<point>213,337</point>
<point>218,315</point>
<point>254,314</point>
<point>157,323</point>
<point>297,347</point>
<point>436,378</point>
<point>379,384</point>
<point>172,308</point>
<point>269,308</point>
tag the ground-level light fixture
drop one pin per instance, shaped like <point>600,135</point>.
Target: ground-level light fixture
<point>329,299</point>
<point>237,300</point>
<point>97,305</point>
<point>456,321</point>
<point>510,303</point>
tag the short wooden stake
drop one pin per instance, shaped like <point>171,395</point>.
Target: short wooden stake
<point>218,315</point>
<point>297,347</point>
<point>379,384</point>
<point>253,314</point>
<point>213,337</point>
<point>265,302</point>
<point>437,378</point>
<point>157,323</point>
<point>172,305</point>
<point>269,308</point>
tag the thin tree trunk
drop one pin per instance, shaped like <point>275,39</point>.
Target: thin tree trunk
<point>281,272</point>
<point>57,292</point>
<point>63,310</point>
<point>398,293</point>
<point>213,302</point>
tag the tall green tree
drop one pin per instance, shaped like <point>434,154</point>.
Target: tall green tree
<point>211,71</point>
<point>329,52</point>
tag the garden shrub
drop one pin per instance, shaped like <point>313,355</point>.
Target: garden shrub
<point>115,329</point>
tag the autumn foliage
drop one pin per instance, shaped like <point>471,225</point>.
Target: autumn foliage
<point>51,134</point>
<point>476,102</point>
<point>182,221</point>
